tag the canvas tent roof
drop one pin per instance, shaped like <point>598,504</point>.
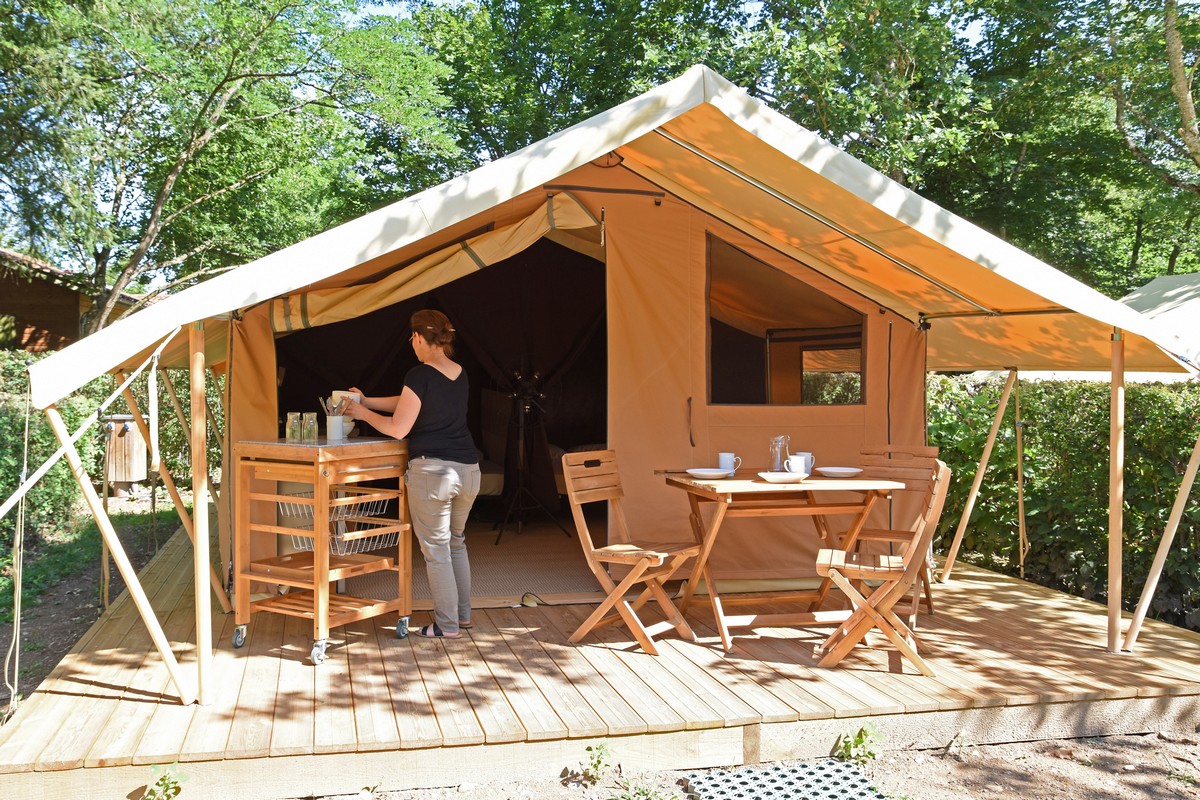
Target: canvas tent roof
<point>706,141</point>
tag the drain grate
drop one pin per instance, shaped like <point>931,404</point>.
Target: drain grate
<point>819,780</point>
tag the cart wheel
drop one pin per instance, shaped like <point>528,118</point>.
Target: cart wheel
<point>239,636</point>
<point>318,652</point>
<point>402,628</point>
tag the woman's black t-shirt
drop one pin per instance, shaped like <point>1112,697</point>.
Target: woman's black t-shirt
<point>440,430</point>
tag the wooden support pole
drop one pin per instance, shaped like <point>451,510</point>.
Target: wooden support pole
<point>1160,557</point>
<point>179,414</point>
<point>1022,533</point>
<point>1116,490</point>
<point>132,585</point>
<point>184,517</point>
<point>983,462</point>
<point>200,550</point>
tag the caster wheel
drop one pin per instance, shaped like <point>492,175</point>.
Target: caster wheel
<point>402,628</point>
<point>239,636</point>
<point>318,652</point>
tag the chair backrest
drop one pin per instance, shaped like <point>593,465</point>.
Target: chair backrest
<point>937,482</point>
<point>912,465</point>
<point>592,477</point>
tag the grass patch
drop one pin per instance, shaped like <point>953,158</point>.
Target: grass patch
<point>56,555</point>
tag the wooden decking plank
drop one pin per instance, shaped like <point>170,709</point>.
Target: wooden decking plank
<point>727,700</point>
<point>574,712</point>
<point>804,704</point>
<point>253,717</point>
<point>712,661</point>
<point>293,728</point>
<point>617,713</point>
<point>682,698</point>
<point>149,687</point>
<point>536,714</point>
<point>876,674</point>
<point>1058,682</point>
<point>453,711</point>
<point>123,648</point>
<point>497,717</point>
<point>623,678</point>
<point>333,729</point>
<point>411,705</point>
<point>196,732</point>
<point>57,696</point>
<point>373,717</point>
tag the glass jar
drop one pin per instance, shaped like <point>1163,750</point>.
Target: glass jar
<point>309,426</point>
<point>293,431</point>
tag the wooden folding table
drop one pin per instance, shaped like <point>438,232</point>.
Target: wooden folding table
<point>744,496</point>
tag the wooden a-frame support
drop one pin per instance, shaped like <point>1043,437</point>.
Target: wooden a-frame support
<point>117,551</point>
<point>1164,546</point>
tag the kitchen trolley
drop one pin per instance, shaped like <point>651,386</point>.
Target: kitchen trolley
<point>313,496</point>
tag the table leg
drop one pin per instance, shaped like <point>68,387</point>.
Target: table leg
<point>706,535</point>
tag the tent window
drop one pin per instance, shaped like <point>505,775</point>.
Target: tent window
<point>776,340</point>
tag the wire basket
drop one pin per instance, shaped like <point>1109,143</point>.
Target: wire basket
<point>352,514</point>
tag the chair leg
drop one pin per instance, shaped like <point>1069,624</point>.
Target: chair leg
<point>615,600</point>
<point>671,612</point>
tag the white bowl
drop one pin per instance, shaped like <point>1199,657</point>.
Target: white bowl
<point>709,473</point>
<point>782,477</point>
<point>839,472</point>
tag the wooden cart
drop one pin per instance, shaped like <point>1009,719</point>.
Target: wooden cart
<point>338,527</point>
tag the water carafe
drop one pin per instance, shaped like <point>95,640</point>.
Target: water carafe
<point>779,453</point>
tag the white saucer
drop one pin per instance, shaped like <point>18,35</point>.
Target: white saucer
<point>709,473</point>
<point>839,472</point>
<point>782,477</point>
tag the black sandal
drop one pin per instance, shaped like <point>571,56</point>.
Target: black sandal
<point>432,631</point>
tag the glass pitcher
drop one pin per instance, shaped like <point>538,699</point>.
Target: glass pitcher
<point>779,453</point>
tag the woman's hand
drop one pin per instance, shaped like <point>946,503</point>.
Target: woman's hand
<point>354,410</point>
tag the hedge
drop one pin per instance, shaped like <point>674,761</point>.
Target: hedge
<point>1066,444</point>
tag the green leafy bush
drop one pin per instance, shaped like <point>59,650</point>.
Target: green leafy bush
<point>1066,443</point>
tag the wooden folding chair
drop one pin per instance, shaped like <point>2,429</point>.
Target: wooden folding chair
<point>898,574</point>
<point>592,477</point>
<point>914,466</point>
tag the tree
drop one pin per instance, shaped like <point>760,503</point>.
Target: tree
<point>520,71</point>
<point>175,138</point>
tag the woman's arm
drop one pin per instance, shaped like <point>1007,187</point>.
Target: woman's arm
<point>387,404</point>
<point>407,406</point>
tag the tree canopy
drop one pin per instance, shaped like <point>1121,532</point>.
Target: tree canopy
<point>151,142</point>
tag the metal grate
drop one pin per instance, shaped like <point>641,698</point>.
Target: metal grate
<point>351,511</point>
<point>818,780</point>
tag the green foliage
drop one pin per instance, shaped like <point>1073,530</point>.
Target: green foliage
<point>863,746</point>
<point>633,790</point>
<point>1066,436</point>
<point>597,762</point>
<point>167,783</point>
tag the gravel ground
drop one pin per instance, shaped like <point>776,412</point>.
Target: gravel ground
<point>1146,767</point>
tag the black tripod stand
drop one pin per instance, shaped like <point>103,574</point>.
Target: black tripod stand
<point>525,399</point>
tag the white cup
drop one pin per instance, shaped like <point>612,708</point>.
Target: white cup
<point>335,427</point>
<point>728,462</point>
<point>800,463</point>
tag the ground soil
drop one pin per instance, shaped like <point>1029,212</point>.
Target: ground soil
<point>1146,767</point>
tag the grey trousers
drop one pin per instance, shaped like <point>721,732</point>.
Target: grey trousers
<point>440,495</point>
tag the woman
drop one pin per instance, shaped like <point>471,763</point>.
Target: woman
<point>443,464</point>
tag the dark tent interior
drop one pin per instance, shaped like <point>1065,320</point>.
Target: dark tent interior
<point>531,335</point>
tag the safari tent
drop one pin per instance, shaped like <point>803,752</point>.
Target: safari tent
<point>687,273</point>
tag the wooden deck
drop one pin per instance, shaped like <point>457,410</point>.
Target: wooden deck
<point>1013,661</point>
